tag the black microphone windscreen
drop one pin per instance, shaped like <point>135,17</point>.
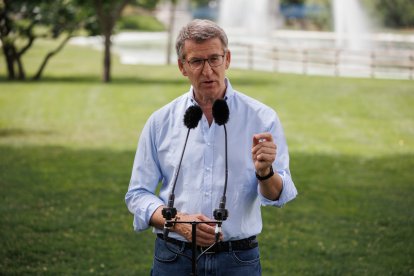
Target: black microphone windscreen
<point>192,116</point>
<point>220,111</point>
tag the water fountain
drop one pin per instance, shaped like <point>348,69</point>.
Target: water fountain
<point>251,26</point>
<point>256,18</point>
<point>351,25</point>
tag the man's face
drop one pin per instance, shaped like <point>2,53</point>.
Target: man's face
<point>208,82</point>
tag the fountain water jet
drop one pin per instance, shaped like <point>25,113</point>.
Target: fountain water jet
<point>256,18</point>
<point>351,25</point>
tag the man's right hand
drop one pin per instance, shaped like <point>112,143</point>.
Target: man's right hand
<point>205,231</point>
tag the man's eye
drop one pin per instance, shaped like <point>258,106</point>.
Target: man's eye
<point>214,59</point>
<point>196,61</point>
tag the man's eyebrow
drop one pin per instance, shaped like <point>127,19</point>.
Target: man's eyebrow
<point>212,55</point>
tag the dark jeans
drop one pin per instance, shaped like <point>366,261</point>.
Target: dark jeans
<point>238,263</point>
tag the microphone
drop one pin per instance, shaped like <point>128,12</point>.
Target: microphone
<point>221,116</point>
<point>192,116</point>
<point>220,112</point>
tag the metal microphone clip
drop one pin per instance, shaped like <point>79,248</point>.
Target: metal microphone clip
<point>217,231</point>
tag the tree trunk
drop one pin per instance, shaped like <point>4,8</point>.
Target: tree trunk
<point>39,73</point>
<point>19,54</point>
<point>9,50</point>
<point>22,73</point>
<point>107,57</point>
<point>107,17</point>
<point>9,57</point>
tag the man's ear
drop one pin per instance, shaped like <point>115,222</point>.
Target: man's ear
<point>228,59</point>
<point>181,67</point>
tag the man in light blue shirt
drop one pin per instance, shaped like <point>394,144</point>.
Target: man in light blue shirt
<point>258,164</point>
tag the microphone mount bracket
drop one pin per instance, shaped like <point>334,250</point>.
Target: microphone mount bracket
<point>220,214</point>
<point>168,214</point>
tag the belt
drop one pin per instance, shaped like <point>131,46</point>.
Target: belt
<point>237,245</point>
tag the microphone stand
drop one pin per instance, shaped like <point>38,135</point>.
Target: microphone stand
<point>170,211</point>
<point>222,213</point>
<point>194,257</point>
<point>192,116</point>
<point>219,214</point>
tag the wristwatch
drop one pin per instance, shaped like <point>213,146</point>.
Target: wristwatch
<point>271,173</point>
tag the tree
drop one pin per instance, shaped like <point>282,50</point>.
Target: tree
<point>108,12</point>
<point>396,13</point>
<point>20,22</point>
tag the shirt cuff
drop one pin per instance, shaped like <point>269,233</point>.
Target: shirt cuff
<point>287,194</point>
<point>142,217</point>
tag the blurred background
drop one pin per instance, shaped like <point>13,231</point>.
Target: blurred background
<point>365,38</point>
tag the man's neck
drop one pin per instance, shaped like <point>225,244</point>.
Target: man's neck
<point>206,105</point>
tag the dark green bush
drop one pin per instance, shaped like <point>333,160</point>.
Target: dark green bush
<point>140,23</point>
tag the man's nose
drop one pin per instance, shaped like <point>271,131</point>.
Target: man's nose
<point>206,68</point>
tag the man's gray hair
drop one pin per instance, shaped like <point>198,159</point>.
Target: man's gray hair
<point>199,31</point>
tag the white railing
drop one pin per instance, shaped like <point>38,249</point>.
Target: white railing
<point>335,62</point>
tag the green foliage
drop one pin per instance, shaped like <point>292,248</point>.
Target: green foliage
<point>23,21</point>
<point>67,145</point>
<point>396,13</point>
<point>200,3</point>
<point>140,22</point>
<point>147,4</point>
<point>388,13</point>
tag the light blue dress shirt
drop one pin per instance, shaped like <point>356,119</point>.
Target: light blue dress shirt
<point>201,178</point>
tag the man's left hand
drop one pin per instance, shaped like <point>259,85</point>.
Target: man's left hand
<point>263,152</point>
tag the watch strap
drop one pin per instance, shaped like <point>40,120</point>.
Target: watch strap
<point>261,178</point>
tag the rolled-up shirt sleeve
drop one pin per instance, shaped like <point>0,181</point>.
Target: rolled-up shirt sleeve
<point>140,197</point>
<point>288,193</point>
<point>281,166</point>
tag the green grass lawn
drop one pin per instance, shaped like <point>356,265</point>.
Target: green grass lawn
<point>67,145</point>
